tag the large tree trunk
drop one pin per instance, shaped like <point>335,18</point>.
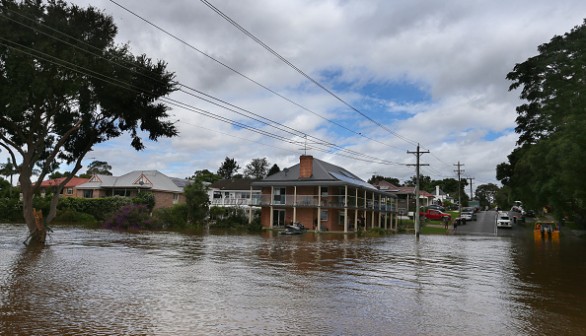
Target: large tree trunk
<point>36,227</point>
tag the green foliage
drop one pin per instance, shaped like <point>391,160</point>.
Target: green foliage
<point>274,169</point>
<point>393,180</point>
<point>257,168</point>
<point>146,198</point>
<point>53,112</point>
<point>99,167</point>
<point>228,168</point>
<point>77,218</point>
<point>10,210</point>
<point>99,208</point>
<point>547,167</point>
<point>197,201</point>
<point>234,218</point>
<point>7,190</point>
<point>205,176</point>
<point>486,194</point>
<point>373,232</point>
<point>173,218</point>
<point>131,217</point>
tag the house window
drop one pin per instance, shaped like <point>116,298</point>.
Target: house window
<point>324,191</point>
<point>69,191</point>
<point>88,193</point>
<point>121,192</point>
<point>175,198</point>
<point>279,196</point>
<point>323,215</point>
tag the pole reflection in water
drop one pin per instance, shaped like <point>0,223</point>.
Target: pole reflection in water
<point>99,282</point>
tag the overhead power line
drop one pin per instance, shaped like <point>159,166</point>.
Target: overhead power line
<point>301,72</point>
<point>55,60</point>
<point>247,77</point>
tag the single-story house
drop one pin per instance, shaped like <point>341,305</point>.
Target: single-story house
<point>69,190</point>
<point>167,190</point>
<point>324,197</point>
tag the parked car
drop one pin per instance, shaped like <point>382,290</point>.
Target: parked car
<point>529,213</point>
<point>436,207</point>
<point>503,220</point>
<point>435,214</point>
<point>469,213</point>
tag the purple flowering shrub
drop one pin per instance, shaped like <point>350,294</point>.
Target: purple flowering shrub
<point>131,217</point>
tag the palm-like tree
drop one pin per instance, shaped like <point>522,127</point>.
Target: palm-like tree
<point>8,169</point>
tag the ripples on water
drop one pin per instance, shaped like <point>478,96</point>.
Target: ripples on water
<point>105,283</point>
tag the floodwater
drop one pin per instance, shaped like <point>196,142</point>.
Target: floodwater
<point>97,282</point>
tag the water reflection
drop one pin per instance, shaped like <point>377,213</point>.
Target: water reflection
<point>101,282</point>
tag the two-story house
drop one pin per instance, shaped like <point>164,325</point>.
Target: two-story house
<point>324,197</point>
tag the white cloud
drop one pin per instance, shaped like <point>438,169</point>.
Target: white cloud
<point>459,51</point>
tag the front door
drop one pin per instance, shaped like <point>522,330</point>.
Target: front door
<point>278,217</point>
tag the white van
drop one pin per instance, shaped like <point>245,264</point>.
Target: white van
<point>503,220</point>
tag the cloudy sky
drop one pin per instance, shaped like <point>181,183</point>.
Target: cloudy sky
<point>391,74</point>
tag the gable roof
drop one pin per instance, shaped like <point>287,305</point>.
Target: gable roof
<point>233,184</point>
<point>145,179</point>
<point>75,181</point>
<point>407,190</point>
<point>323,173</point>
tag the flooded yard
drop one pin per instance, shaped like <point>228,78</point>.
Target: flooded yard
<point>98,282</point>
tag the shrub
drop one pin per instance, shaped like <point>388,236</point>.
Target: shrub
<point>131,217</point>
<point>10,210</point>
<point>146,198</point>
<point>99,208</point>
<point>74,217</point>
<point>172,218</point>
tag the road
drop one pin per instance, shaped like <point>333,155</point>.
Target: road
<point>485,225</point>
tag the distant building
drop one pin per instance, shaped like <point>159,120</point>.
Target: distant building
<point>234,193</point>
<point>69,190</point>
<point>167,190</point>
<point>405,195</point>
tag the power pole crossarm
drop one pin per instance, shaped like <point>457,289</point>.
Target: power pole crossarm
<point>418,154</point>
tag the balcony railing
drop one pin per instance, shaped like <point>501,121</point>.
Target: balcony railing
<point>234,201</point>
<point>330,201</point>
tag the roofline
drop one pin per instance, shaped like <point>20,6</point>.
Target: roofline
<point>316,183</point>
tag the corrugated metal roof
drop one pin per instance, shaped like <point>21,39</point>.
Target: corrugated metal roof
<point>323,173</point>
<point>148,179</point>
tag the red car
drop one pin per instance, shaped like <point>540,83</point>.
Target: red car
<point>435,215</point>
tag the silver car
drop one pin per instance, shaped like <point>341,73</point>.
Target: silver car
<point>469,214</point>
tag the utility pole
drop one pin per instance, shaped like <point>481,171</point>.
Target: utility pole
<point>418,153</point>
<point>459,171</point>
<point>471,193</point>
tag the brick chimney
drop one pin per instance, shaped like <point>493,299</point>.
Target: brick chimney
<point>305,166</point>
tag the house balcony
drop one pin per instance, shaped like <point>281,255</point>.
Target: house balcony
<point>234,202</point>
<point>327,202</point>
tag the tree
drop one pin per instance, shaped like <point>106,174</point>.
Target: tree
<point>393,180</point>
<point>546,167</point>
<point>228,168</point>
<point>58,174</point>
<point>205,176</point>
<point>257,168</point>
<point>8,169</point>
<point>65,87</point>
<point>99,167</point>
<point>274,169</point>
<point>197,201</point>
<point>486,194</point>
